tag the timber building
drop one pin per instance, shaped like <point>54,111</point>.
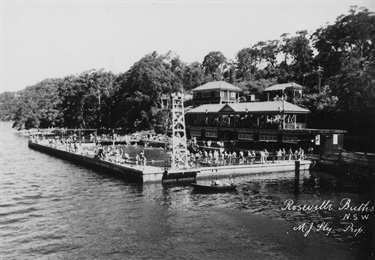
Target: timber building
<point>218,116</point>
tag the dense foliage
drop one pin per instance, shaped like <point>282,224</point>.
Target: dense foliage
<point>336,64</point>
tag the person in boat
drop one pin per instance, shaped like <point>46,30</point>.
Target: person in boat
<point>217,183</point>
<point>231,182</point>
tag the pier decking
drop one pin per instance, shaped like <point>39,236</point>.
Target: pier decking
<point>148,173</point>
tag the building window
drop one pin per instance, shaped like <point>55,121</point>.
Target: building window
<point>212,134</point>
<point>268,137</point>
<point>195,133</point>
<point>335,139</point>
<point>290,138</point>
<point>217,93</point>
<point>233,94</point>
<point>206,94</point>
<point>245,136</point>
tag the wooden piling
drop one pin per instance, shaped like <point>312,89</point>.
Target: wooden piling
<point>296,175</point>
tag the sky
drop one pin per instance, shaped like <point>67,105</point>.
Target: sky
<point>54,39</point>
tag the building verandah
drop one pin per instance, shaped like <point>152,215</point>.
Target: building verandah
<point>268,115</point>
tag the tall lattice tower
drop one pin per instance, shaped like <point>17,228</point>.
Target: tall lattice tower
<point>179,145</point>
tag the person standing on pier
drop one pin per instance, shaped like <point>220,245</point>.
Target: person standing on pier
<point>296,155</point>
<point>230,158</point>
<point>261,156</point>
<point>242,158</point>
<point>205,153</point>
<point>210,156</point>
<point>136,159</point>
<point>142,158</point>
<point>248,158</point>
<point>266,154</point>
<point>301,154</point>
<point>197,156</point>
<point>279,155</point>
<point>252,157</point>
<point>290,154</point>
<point>234,157</point>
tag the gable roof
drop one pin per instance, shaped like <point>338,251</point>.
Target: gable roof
<point>207,108</point>
<point>217,85</point>
<point>284,86</point>
<point>267,107</point>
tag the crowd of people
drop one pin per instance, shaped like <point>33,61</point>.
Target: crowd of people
<point>219,156</point>
<point>224,157</point>
<point>117,155</point>
<point>109,153</point>
<point>70,144</point>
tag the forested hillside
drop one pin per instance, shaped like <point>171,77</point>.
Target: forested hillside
<point>340,56</point>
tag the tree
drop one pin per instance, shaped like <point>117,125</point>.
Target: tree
<point>323,108</point>
<point>268,52</point>
<point>347,54</point>
<point>37,106</point>
<point>212,64</point>
<point>350,39</point>
<point>298,56</point>
<point>248,59</point>
<point>193,76</point>
<point>142,89</point>
<point>86,99</point>
<point>8,105</point>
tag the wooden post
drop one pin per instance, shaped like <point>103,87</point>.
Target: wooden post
<point>296,175</point>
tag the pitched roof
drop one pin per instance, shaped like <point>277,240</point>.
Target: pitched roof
<point>217,85</point>
<point>207,108</point>
<point>290,85</point>
<point>268,107</point>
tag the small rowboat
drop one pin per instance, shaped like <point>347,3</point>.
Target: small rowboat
<point>200,187</point>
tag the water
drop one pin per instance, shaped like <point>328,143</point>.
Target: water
<point>53,209</point>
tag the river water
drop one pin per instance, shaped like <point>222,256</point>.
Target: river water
<point>53,209</point>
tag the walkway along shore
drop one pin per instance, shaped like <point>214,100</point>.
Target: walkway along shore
<point>148,173</point>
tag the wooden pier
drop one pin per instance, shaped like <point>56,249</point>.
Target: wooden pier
<point>144,174</point>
